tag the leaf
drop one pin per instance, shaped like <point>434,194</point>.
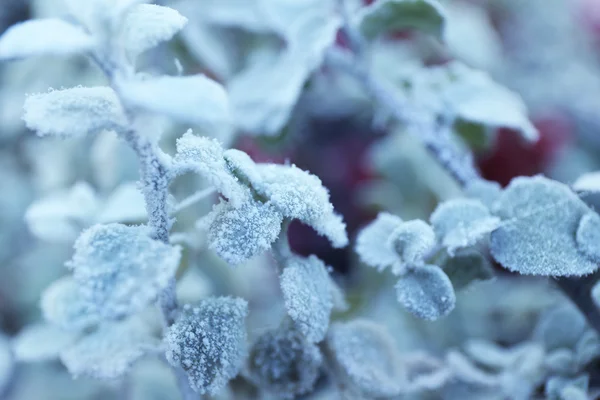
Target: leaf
<point>466,267</point>
<point>110,351</point>
<point>238,234</point>
<point>284,363</point>
<point>561,362</point>
<point>120,269</point>
<point>147,25</point>
<point>41,342</point>
<point>560,327</point>
<point>386,16</point>
<point>195,99</point>
<point>561,388</point>
<point>205,157</point>
<point>589,182</point>
<point>60,216</point>
<point>461,223</point>
<point>208,342</point>
<point>426,292</point>
<point>63,305</point>
<point>43,37</point>
<point>307,294</point>
<point>373,242</point>
<point>540,218</point>
<point>100,16</point>
<point>365,354</point>
<point>487,192</point>
<point>412,241</point>
<point>588,236</point>
<point>74,112</point>
<point>125,204</point>
<point>588,347</point>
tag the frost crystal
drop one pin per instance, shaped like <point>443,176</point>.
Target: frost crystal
<point>238,234</point>
<point>465,267</point>
<point>43,37</point>
<point>193,99</point>
<point>74,112</point>
<point>63,305</point>
<point>306,288</point>
<point>412,240</point>
<point>373,242</point>
<point>110,351</point>
<point>120,269</point>
<point>284,363</point>
<point>147,25</point>
<point>426,292</point>
<point>208,342</point>
<point>462,223</point>
<point>366,355</point>
<point>588,236</point>
<point>540,218</point>
<point>41,342</point>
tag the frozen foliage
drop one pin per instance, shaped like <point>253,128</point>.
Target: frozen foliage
<point>588,236</point>
<point>485,191</point>
<point>74,112</point>
<point>41,342</point>
<point>208,342</point>
<point>109,351</point>
<point>63,305</point>
<point>465,267</point>
<point>194,99</point>
<point>462,223</point>
<point>284,363</point>
<point>540,218</point>
<point>6,363</point>
<point>559,388</point>
<point>147,25</point>
<point>373,241</point>
<point>43,37</point>
<point>589,182</point>
<point>120,269</point>
<point>237,234</point>
<point>386,16</point>
<point>306,288</point>
<point>365,355</point>
<point>560,327</point>
<point>412,241</point>
<point>125,204</point>
<point>426,292</point>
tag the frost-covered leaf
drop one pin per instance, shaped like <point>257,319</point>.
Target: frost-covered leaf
<point>412,241</point>
<point>110,351</point>
<point>208,342</point>
<point>366,356</point>
<point>194,99</point>
<point>465,267</point>
<point>561,361</point>
<point>589,182</point>
<point>60,216</point>
<point>205,157</point>
<point>295,193</point>
<point>386,16</point>
<point>485,191</point>
<point>307,294</point>
<point>561,388</point>
<point>63,305</point>
<point>426,292</point>
<point>41,342</point>
<point>540,218</point>
<point>424,372</point>
<point>461,223</point>
<point>466,371</point>
<point>588,236</point>
<point>560,327</point>
<point>147,25</point>
<point>373,241</point>
<point>125,204</point>
<point>74,112</point>
<point>43,37</point>
<point>121,269</point>
<point>237,234</point>
<point>284,363</point>
<point>587,348</point>
<point>6,363</point>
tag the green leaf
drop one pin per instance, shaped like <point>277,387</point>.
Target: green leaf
<point>466,267</point>
<point>392,15</point>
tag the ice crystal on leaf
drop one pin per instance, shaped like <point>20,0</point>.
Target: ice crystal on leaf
<point>208,342</point>
<point>237,234</point>
<point>284,363</point>
<point>373,241</point>
<point>121,269</point>
<point>41,342</point>
<point>74,112</point>
<point>43,37</point>
<point>366,356</point>
<point>63,305</point>
<point>465,267</point>
<point>147,25</point>
<point>109,351</point>
<point>306,288</point>
<point>461,223</point>
<point>426,292</point>
<point>588,236</point>
<point>537,236</point>
<point>412,240</point>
